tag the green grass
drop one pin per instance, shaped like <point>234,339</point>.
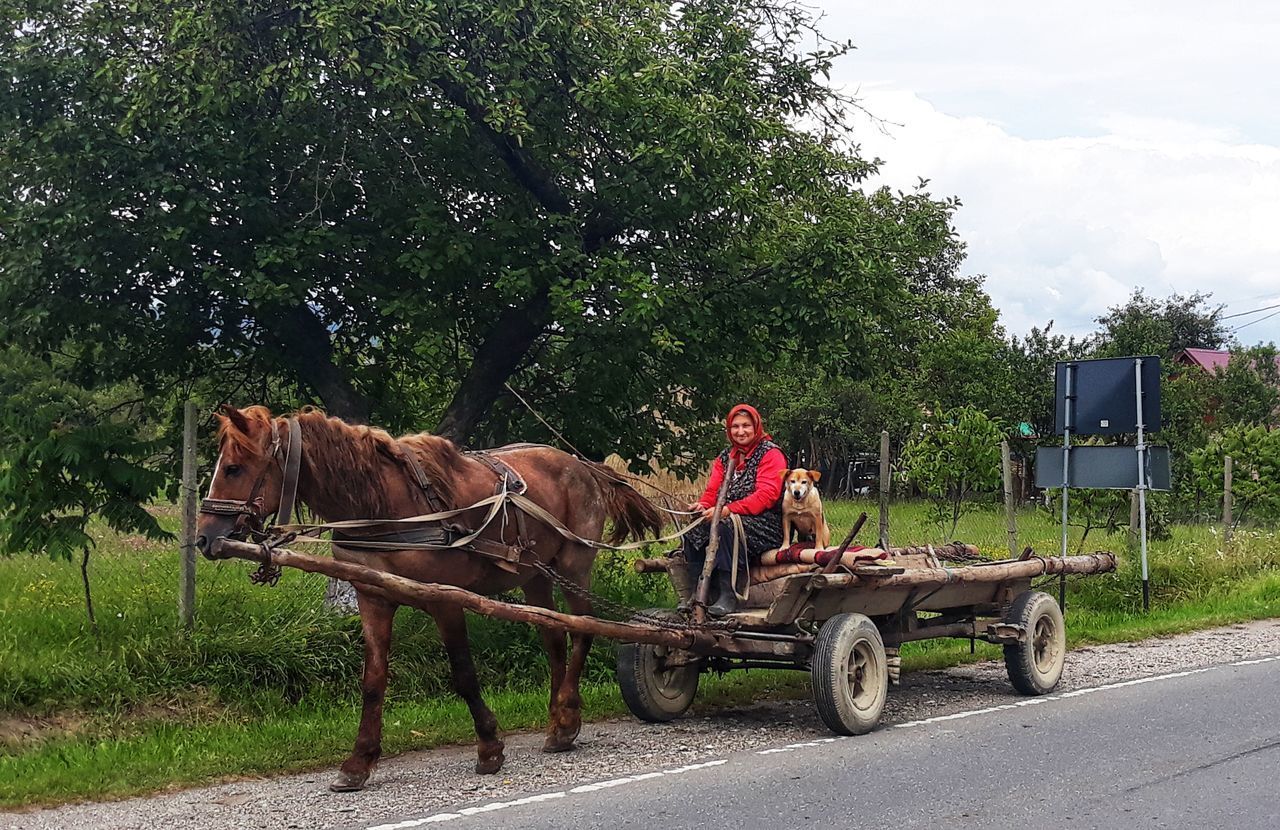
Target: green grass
<point>268,682</point>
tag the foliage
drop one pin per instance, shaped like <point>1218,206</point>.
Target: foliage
<point>1247,391</point>
<point>1255,475</point>
<point>956,456</point>
<point>1144,325</point>
<point>63,459</point>
<point>400,206</point>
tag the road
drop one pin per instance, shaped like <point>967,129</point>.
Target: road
<point>1189,749</point>
<point>1168,732</point>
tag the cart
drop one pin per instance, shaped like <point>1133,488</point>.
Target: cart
<point>843,627</point>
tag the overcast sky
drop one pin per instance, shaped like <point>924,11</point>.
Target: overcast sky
<point>1096,147</point>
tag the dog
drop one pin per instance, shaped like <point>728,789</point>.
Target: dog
<point>802,508</point>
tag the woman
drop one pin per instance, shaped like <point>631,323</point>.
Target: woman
<point>755,466</point>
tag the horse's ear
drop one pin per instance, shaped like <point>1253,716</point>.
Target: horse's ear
<point>815,475</point>
<point>235,416</point>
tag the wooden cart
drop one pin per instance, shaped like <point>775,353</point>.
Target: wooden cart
<point>845,629</point>
<point>837,626</point>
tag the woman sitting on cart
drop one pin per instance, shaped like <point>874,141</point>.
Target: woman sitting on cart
<point>755,466</point>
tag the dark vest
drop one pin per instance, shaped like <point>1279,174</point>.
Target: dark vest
<point>742,483</point>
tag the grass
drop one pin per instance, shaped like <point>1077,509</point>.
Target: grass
<point>268,682</point>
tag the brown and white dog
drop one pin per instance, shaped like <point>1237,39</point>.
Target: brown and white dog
<point>802,508</point>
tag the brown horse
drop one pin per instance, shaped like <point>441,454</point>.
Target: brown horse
<point>356,472</point>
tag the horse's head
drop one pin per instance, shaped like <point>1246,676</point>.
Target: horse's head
<point>247,480</point>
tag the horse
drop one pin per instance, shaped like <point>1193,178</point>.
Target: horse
<point>349,472</point>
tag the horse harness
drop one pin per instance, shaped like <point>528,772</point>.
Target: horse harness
<point>443,534</point>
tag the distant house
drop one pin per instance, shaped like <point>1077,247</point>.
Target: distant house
<point>1211,360</point>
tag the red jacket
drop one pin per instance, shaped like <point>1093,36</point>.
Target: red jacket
<point>768,486</point>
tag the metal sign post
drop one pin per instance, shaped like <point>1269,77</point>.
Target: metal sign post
<point>1142,482</point>
<point>1068,422</point>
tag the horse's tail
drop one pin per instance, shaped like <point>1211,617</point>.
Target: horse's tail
<point>632,514</point>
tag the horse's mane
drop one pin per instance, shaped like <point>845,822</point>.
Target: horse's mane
<point>351,453</point>
<point>339,451</point>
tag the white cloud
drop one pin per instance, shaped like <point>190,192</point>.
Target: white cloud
<point>1066,227</point>
<point>1096,147</point>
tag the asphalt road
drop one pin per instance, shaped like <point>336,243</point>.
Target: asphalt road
<point>1191,749</point>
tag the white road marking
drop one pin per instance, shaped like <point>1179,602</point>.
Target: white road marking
<point>646,776</point>
<point>533,799</point>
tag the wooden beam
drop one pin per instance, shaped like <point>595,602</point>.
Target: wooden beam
<point>425,594</point>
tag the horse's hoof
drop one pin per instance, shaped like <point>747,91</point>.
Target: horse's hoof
<point>488,766</point>
<point>348,782</point>
<point>558,744</point>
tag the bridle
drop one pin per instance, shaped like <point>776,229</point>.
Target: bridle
<point>250,512</point>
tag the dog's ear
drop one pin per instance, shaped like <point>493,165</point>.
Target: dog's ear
<point>783,475</point>
<point>815,475</point>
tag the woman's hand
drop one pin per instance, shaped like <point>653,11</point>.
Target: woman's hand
<point>708,513</point>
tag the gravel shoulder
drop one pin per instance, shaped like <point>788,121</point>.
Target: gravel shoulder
<point>427,781</point>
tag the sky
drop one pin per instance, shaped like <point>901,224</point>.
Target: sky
<point>1095,147</point>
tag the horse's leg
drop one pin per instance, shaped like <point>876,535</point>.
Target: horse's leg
<point>376,615</point>
<point>538,592</point>
<point>574,563</point>
<point>453,633</point>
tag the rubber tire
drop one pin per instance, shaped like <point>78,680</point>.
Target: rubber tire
<point>846,710</point>
<point>1035,665</point>
<point>651,697</point>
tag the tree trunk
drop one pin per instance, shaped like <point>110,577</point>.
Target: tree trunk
<point>506,344</point>
<point>304,341</point>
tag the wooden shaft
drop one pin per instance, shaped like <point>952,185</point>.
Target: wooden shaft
<point>424,594</point>
<point>187,553</point>
<point>884,490</point>
<point>1088,564</point>
<point>713,545</point>
<point>831,566</point>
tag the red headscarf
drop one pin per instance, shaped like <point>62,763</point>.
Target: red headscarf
<point>738,454</point>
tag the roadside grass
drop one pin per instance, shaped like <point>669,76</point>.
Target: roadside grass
<point>268,682</point>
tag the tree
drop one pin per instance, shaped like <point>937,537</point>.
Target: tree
<point>402,207</point>
<point>1247,391</point>
<point>1255,480</point>
<point>1145,325</point>
<point>67,455</point>
<point>956,456</point>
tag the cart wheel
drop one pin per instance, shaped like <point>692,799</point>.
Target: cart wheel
<point>850,675</point>
<point>652,690</point>
<point>1035,664</point>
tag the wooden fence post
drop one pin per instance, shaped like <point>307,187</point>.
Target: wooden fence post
<point>1226,499</point>
<point>1010,509</point>
<point>187,553</point>
<point>884,490</point>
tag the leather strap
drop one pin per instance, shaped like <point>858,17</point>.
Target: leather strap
<point>292,466</point>
<point>424,482</point>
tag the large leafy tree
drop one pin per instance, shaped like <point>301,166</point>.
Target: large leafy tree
<point>401,207</point>
<point>1147,325</point>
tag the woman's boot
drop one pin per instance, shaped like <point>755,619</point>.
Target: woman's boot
<point>727,601</point>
